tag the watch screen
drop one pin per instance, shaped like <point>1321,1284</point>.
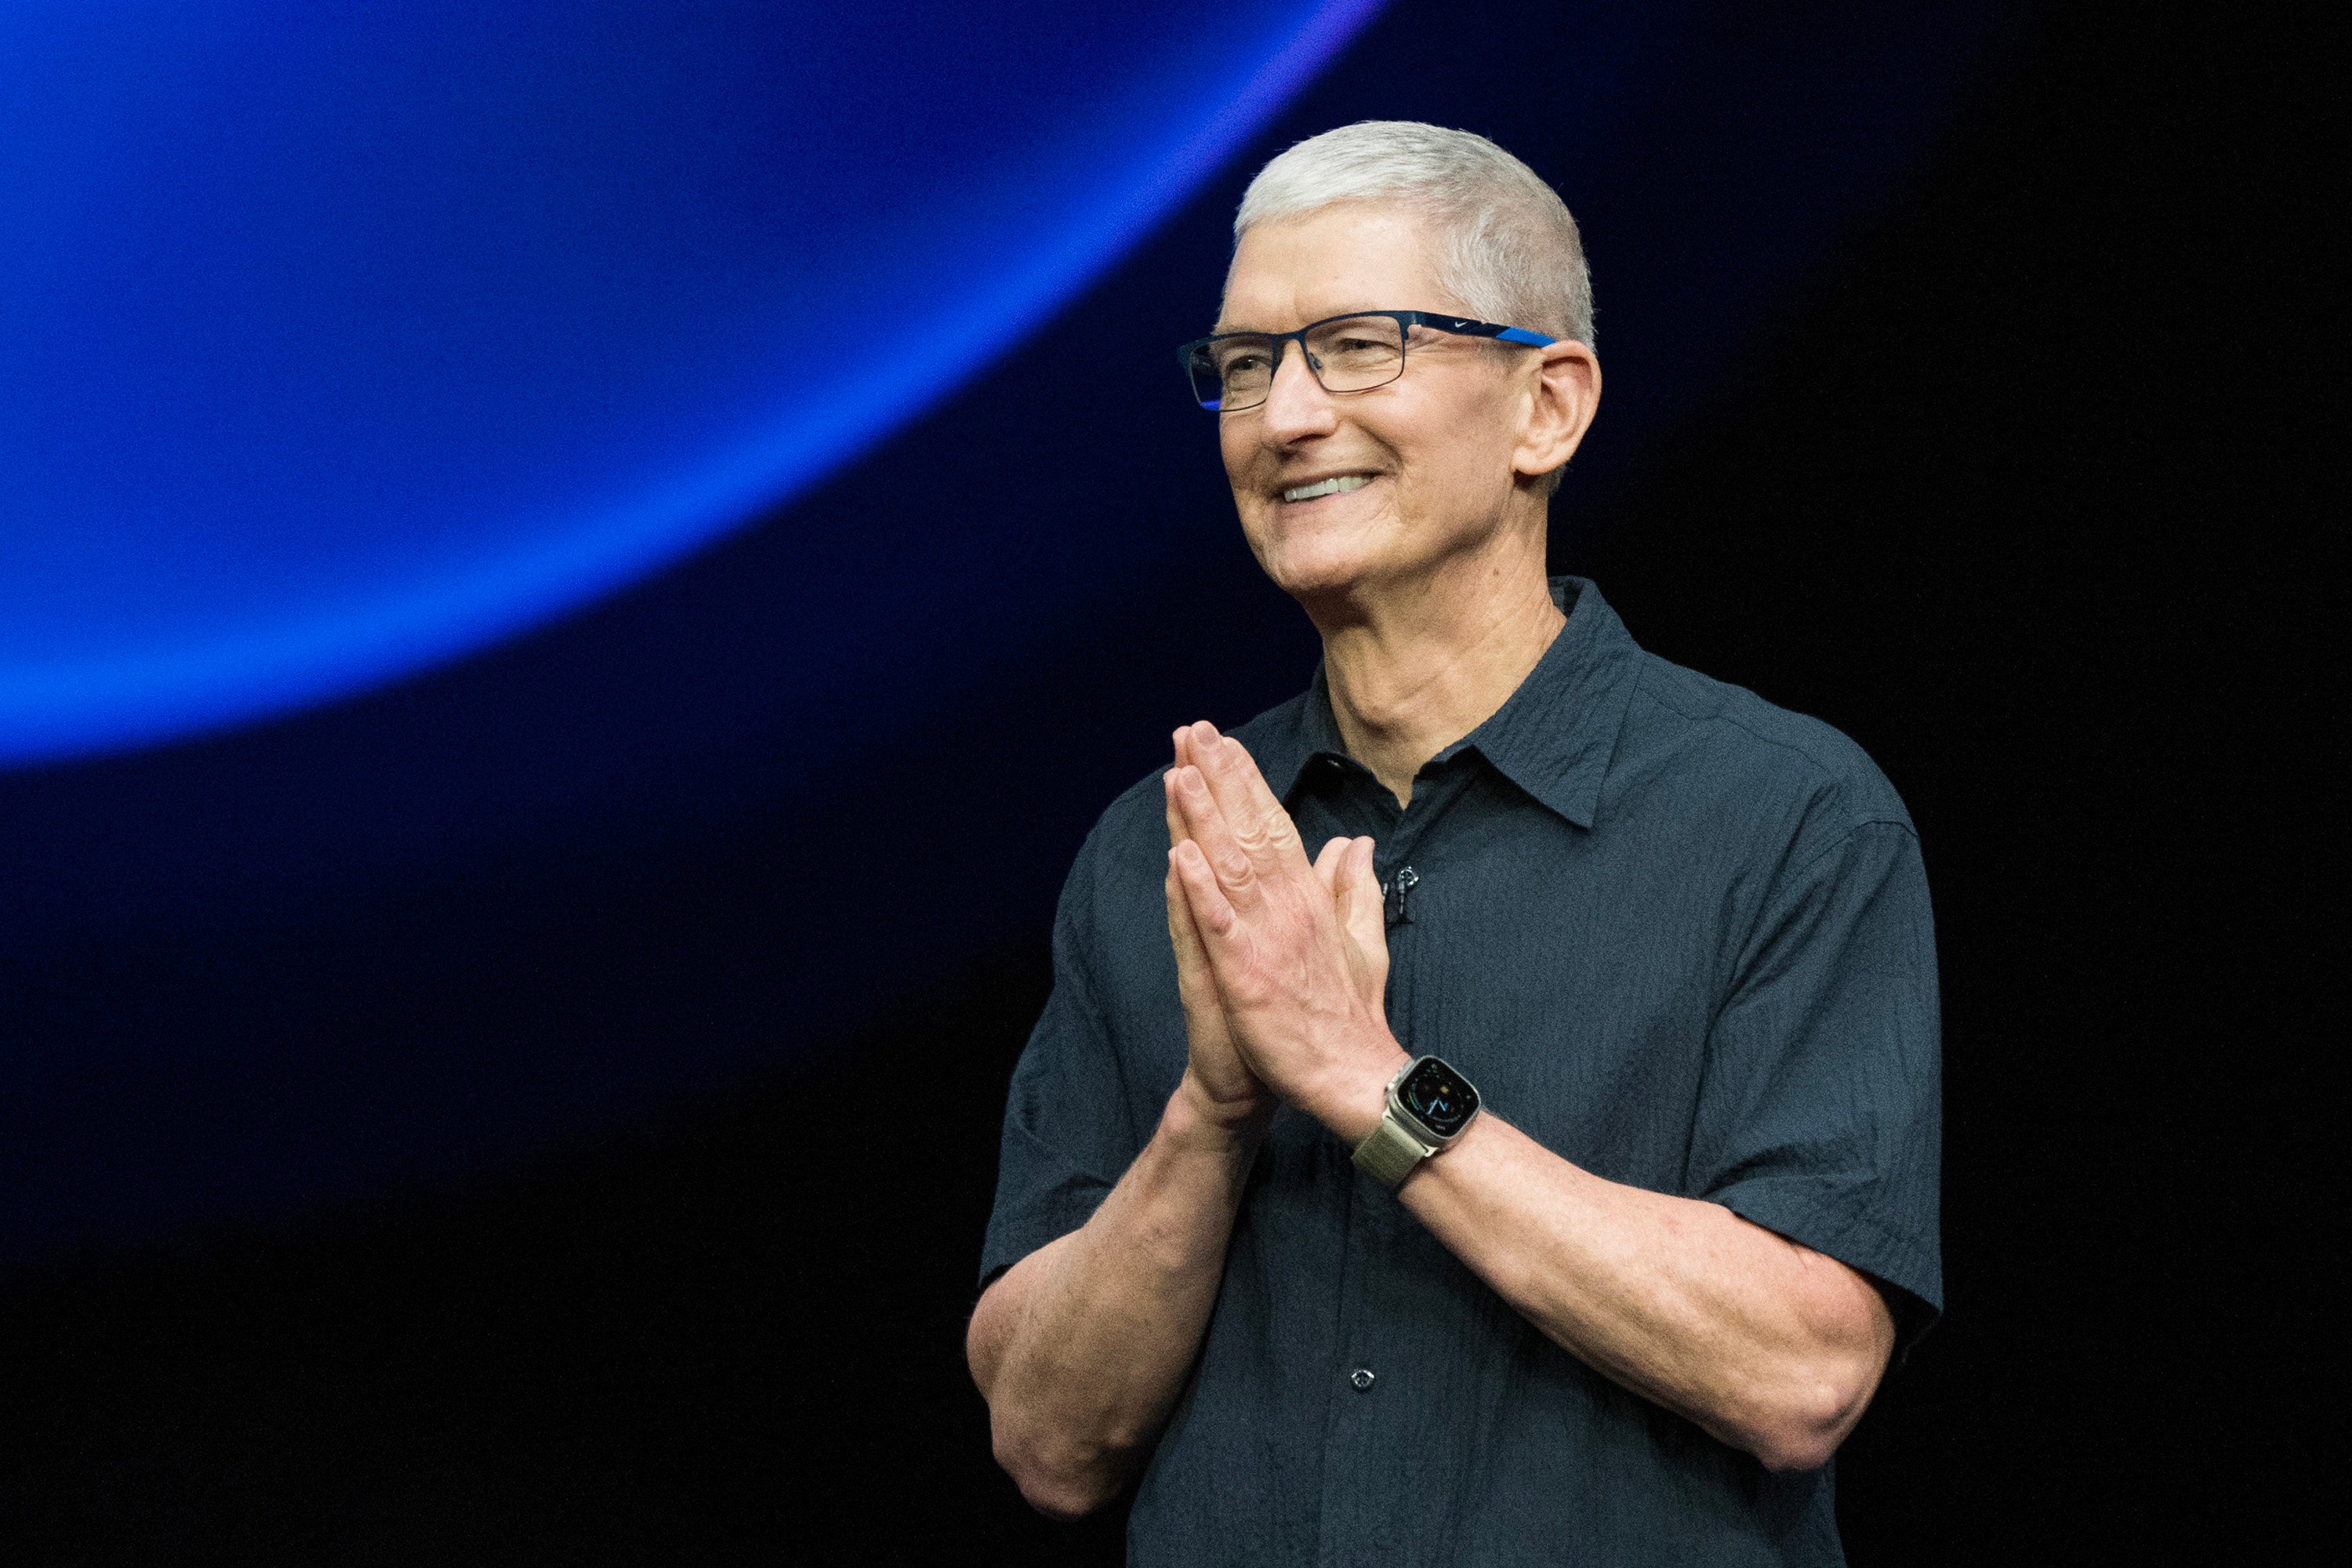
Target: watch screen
<point>1441,1098</point>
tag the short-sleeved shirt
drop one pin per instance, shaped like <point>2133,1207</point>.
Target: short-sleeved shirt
<point>1677,935</point>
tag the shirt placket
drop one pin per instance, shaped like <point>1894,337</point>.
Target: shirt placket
<point>1358,1393</point>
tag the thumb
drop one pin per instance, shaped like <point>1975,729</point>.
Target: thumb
<point>1364,912</point>
<point>1328,865</point>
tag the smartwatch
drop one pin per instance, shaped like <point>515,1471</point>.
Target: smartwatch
<point>1429,1106</point>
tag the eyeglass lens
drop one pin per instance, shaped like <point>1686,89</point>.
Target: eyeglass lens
<point>1352,354</point>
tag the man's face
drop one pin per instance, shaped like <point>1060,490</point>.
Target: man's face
<point>1425,461</point>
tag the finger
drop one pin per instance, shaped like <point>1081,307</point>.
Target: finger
<point>1193,984</point>
<point>1257,795</point>
<point>1204,895</point>
<point>1329,862</point>
<point>1260,825</point>
<point>1179,916</point>
<point>1347,891</point>
<point>1362,909</point>
<point>1189,751</point>
<point>1193,740</point>
<point>1206,829</point>
<point>1175,818</point>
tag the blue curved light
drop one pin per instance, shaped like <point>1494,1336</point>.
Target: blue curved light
<point>336,342</point>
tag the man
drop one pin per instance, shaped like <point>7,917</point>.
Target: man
<point>1545,1169</point>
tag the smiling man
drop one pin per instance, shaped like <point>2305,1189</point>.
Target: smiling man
<point>1545,1169</point>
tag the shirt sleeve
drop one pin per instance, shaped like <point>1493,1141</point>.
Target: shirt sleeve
<point>1067,1136</point>
<point>1820,1109</point>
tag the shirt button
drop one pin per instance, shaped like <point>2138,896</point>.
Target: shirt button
<point>1361,1377</point>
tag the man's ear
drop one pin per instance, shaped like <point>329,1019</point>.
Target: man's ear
<point>1564,394</point>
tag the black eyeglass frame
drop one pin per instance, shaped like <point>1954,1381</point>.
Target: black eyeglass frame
<point>1460,326</point>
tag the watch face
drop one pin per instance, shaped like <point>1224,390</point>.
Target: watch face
<point>1439,1097</point>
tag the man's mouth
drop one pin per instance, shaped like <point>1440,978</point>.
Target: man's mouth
<point>1336,486</point>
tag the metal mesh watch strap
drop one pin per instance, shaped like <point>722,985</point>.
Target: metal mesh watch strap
<point>1390,1152</point>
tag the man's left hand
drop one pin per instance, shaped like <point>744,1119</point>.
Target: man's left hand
<point>1299,950</point>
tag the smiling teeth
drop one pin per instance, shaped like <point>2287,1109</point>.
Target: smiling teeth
<point>1338,487</point>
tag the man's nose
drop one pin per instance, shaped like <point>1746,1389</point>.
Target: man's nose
<point>1296,402</point>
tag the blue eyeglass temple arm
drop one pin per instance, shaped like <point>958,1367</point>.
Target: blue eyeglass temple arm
<point>1470,328</point>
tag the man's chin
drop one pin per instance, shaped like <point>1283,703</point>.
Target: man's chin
<point>1309,560</point>
<point>1320,575</point>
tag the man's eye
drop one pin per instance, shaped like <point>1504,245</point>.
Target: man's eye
<point>1250,363</point>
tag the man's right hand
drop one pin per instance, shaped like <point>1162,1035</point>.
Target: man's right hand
<point>1219,1084</point>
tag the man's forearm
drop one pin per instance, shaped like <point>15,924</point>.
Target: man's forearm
<point>1769,1345</point>
<point>1081,1348</point>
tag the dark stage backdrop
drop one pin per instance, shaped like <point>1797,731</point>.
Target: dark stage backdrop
<point>2006,463</point>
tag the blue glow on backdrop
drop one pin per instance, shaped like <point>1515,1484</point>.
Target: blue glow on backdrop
<point>817,362</point>
<point>340,341</point>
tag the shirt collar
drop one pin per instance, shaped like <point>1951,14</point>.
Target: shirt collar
<point>1556,734</point>
<point>1553,737</point>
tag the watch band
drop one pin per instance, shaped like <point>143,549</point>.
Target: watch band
<point>1391,1152</point>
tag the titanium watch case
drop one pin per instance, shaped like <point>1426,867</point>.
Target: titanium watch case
<point>1429,1106</point>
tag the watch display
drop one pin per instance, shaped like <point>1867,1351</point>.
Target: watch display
<point>1437,1097</point>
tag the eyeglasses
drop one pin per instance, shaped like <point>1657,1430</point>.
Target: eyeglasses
<point>1234,371</point>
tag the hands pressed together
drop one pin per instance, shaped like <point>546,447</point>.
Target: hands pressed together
<point>1282,963</point>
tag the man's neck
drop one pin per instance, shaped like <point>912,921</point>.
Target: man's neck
<point>1412,672</point>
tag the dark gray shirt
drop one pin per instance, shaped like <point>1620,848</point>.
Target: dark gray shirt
<point>1674,934</point>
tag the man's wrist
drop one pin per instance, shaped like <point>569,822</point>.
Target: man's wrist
<point>1196,1117</point>
<point>1356,1096</point>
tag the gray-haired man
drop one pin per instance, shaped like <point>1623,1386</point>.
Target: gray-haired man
<point>1545,1169</point>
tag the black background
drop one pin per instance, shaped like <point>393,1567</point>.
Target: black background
<point>2020,490</point>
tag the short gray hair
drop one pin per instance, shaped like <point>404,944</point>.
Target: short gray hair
<point>1506,247</point>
